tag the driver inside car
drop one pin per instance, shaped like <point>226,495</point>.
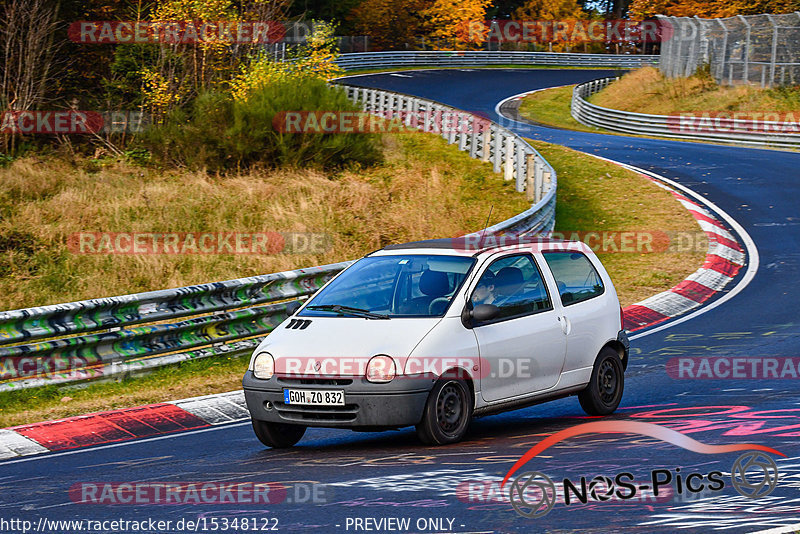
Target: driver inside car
<point>484,291</point>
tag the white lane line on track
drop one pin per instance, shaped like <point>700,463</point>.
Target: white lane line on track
<point>121,443</point>
<point>750,245</point>
<point>788,529</point>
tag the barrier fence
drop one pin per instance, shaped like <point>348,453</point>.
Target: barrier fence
<point>717,127</point>
<point>448,58</point>
<point>105,338</point>
<point>756,49</point>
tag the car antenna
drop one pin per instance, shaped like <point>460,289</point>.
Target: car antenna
<point>485,226</point>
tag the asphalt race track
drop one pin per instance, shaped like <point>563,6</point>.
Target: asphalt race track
<point>382,475</point>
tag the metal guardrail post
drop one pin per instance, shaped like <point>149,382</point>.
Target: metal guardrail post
<point>530,173</point>
<point>474,138</point>
<point>371,103</point>
<point>453,128</point>
<point>487,143</point>
<point>509,159</point>
<point>463,131</point>
<point>498,150</point>
<point>427,118</point>
<point>538,183</point>
<point>519,167</point>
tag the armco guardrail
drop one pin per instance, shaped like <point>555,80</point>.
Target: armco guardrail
<point>105,337</point>
<point>716,129</point>
<point>102,338</point>
<point>474,58</point>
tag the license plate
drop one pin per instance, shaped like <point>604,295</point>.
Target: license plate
<point>314,397</point>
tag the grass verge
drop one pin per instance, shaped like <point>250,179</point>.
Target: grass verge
<point>419,190</point>
<point>646,90</point>
<point>551,107</point>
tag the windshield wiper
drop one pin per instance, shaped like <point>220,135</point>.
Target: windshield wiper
<point>347,310</point>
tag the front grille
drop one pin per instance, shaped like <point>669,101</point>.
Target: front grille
<point>308,414</point>
<point>304,381</point>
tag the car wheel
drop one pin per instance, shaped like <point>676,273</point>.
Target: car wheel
<point>447,413</point>
<point>604,392</point>
<point>278,435</point>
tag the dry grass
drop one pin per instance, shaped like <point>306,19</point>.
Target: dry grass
<point>551,107</point>
<point>647,91</point>
<point>425,189</point>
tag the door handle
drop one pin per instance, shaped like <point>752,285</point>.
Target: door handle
<point>566,325</point>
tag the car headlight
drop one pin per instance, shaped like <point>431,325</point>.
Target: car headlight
<point>380,369</point>
<point>263,366</point>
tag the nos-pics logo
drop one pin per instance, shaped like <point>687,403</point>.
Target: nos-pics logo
<point>533,494</point>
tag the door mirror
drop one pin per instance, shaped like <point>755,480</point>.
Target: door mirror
<point>484,312</point>
<point>292,307</point>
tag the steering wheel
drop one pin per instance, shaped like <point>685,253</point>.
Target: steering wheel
<point>435,302</point>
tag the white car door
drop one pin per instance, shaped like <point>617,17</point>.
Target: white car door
<point>524,347</point>
<point>585,310</point>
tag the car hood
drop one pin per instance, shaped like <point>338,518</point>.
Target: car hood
<point>348,342</point>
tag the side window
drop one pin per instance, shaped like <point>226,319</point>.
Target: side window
<point>513,284</point>
<point>575,275</point>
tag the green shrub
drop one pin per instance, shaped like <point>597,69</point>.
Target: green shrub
<point>219,133</point>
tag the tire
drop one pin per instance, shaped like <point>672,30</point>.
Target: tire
<point>604,392</point>
<point>447,413</point>
<point>278,435</point>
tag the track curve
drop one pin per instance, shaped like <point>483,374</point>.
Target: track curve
<point>380,475</point>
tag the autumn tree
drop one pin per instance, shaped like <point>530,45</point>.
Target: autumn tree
<point>391,24</point>
<point>549,10</point>
<point>710,9</point>
<point>447,19</point>
<point>182,70</point>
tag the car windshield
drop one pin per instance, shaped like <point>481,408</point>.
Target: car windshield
<point>380,287</point>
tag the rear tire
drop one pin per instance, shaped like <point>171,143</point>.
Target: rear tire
<point>604,392</point>
<point>278,435</point>
<point>447,413</point>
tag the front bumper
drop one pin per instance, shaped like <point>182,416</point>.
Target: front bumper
<point>396,404</point>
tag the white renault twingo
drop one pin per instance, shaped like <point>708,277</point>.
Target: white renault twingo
<point>434,332</point>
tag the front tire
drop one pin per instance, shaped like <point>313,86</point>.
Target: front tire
<point>604,392</point>
<point>278,435</point>
<point>447,413</point>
